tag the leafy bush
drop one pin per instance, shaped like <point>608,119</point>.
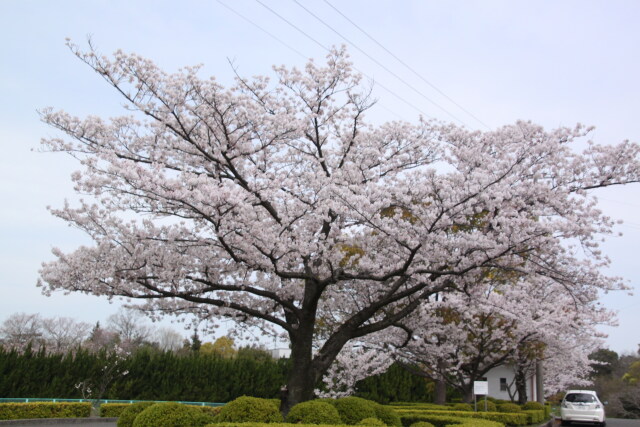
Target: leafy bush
<point>17,411</point>
<point>462,407</point>
<point>111,410</point>
<point>373,422</point>
<point>535,416</point>
<point>354,409</point>
<point>250,409</point>
<point>533,406</point>
<point>422,424</point>
<point>519,419</point>
<point>451,420</point>
<point>509,407</point>
<point>314,412</point>
<point>388,415</point>
<point>129,414</point>
<point>171,414</point>
<point>491,407</point>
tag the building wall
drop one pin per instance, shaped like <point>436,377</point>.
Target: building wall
<point>507,372</point>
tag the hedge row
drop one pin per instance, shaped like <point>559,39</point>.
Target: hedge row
<point>16,411</point>
<point>449,420</point>
<point>519,419</point>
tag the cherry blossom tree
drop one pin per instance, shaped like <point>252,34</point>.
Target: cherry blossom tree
<point>276,205</point>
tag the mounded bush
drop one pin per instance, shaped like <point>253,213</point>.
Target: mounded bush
<point>422,424</point>
<point>172,414</point>
<point>354,409</point>
<point>129,414</point>
<point>462,407</point>
<point>491,407</point>
<point>439,420</point>
<point>314,412</point>
<point>17,411</point>
<point>509,407</point>
<point>373,422</point>
<point>533,406</point>
<point>250,409</point>
<point>388,415</point>
<point>111,410</point>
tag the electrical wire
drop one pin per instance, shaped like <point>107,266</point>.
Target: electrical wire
<point>329,50</point>
<point>380,64</point>
<point>433,86</point>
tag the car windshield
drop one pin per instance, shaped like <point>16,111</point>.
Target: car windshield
<point>580,398</point>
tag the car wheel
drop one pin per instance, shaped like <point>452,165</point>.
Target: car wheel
<point>564,422</point>
<point>603,424</point>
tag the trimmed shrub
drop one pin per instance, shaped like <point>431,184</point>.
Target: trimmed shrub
<point>533,406</point>
<point>422,424</point>
<point>314,412</point>
<point>171,414</point>
<point>111,410</point>
<point>451,420</point>
<point>373,422</point>
<point>18,411</point>
<point>250,409</point>
<point>129,414</point>
<point>388,415</point>
<point>491,407</point>
<point>354,409</point>
<point>535,416</point>
<point>462,407</point>
<point>509,407</point>
<point>500,417</point>
<point>209,410</point>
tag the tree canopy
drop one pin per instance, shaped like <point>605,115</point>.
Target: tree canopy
<point>275,204</point>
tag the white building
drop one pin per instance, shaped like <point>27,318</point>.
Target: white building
<point>281,353</point>
<point>501,380</point>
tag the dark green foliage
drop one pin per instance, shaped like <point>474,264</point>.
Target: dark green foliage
<point>171,414</point>
<point>129,414</point>
<point>535,406</point>
<point>466,419</point>
<point>422,424</point>
<point>388,415</point>
<point>314,412</point>
<point>250,409</point>
<point>18,411</point>
<point>491,407</point>
<point>111,410</point>
<point>373,422</point>
<point>354,409</point>
<point>395,385</point>
<point>463,407</point>
<point>153,375</point>
<point>509,407</point>
<point>535,416</point>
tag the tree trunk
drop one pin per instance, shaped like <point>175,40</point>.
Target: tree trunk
<point>441,392</point>
<point>521,385</point>
<point>441,385</point>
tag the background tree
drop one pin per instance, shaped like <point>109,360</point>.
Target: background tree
<point>131,328</point>
<point>22,329</point>
<point>278,205</point>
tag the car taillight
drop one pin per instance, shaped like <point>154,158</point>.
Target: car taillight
<point>598,406</point>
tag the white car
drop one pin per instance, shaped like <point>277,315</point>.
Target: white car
<point>582,406</point>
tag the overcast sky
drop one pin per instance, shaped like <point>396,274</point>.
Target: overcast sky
<point>555,63</point>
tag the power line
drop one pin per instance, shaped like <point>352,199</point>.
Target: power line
<point>433,86</point>
<point>262,29</point>
<point>380,64</point>
<point>286,44</point>
<point>329,50</point>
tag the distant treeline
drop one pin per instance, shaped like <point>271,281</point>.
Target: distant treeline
<point>163,375</point>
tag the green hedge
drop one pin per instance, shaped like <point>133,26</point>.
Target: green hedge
<point>451,420</point>
<point>250,409</point>
<point>172,414</point>
<point>112,410</point>
<point>17,411</point>
<point>520,419</point>
<point>535,416</point>
<point>314,412</point>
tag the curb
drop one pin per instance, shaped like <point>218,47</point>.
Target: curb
<point>54,421</point>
